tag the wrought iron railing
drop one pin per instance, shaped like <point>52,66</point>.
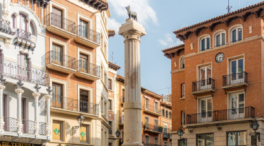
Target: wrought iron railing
<point>237,78</point>
<point>155,128</point>
<point>29,74</point>
<point>152,108</point>
<point>60,22</point>
<point>5,27</point>
<point>89,68</point>
<point>28,127</point>
<point>60,59</point>
<point>73,104</point>
<point>166,133</point>
<point>20,33</point>
<point>85,32</point>
<point>10,124</point>
<point>42,128</point>
<point>203,85</point>
<point>220,115</point>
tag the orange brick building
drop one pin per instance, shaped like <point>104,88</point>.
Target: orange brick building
<point>217,80</point>
<point>156,114</point>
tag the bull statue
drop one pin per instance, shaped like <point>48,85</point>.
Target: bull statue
<point>131,14</point>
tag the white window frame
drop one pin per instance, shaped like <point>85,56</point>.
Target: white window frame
<point>200,42</point>
<point>221,38</point>
<point>230,33</point>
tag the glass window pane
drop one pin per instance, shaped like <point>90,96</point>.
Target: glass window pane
<point>234,35</point>
<point>201,140</point>
<point>223,38</point>
<point>231,138</point>
<point>203,108</point>
<point>209,107</point>
<point>242,138</point>
<point>210,140</point>
<point>233,69</point>
<point>181,142</point>
<point>240,68</point>
<point>218,40</point>
<point>239,34</point>
<point>203,44</point>
<point>208,43</point>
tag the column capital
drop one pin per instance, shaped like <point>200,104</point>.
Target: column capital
<point>19,91</point>
<point>2,87</point>
<point>132,29</point>
<point>36,94</point>
<point>48,96</point>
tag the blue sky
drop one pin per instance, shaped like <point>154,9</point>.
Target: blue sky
<point>160,18</point>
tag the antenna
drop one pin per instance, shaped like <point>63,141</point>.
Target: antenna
<point>239,4</point>
<point>112,56</point>
<point>228,8</point>
<point>248,2</point>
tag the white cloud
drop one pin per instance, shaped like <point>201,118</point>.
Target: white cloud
<point>168,41</point>
<point>144,11</point>
<point>113,24</point>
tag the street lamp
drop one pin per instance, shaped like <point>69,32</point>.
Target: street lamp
<point>117,133</point>
<point>80,119</point>
<point>180,132</point>
<point>255,127</point>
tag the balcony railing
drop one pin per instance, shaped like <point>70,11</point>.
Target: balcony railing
<point>53,57</point>
<point>32,75</point>
<point>72,104</point>
<point>89,68</point>
<point>42,128</point>
<point>153,109</point>
<point>23,34</point>
<point>28,127</point>
<point>221,115</point>
<point>89,34</point>
<point>152,128</point>
<point>203,85</point>
<point>10,124</point>
<point>166,133</point>
<point>60,22</point>
<point>234,79</point>
<point>5,27</point>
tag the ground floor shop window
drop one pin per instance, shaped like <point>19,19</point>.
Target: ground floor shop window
<point>182,142</point>
<point>205,140</point>
<point>236,138</point>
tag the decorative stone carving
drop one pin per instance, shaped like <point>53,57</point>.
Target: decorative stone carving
<point>7,43</point>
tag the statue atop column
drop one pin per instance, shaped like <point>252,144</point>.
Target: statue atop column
<point>131,14</point>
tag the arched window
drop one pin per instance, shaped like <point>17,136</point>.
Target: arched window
<point>166,114</point>
<point>220,39</point>
<point>204,43</point>
<point>182,63</point>
<point>32,28</point>
<point>14,21</point>
<point>236,34</point>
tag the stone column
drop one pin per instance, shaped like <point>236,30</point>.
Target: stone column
<point>36,96</point>
<point>132,32</point>
<point>19,108</point>
<point>48,129</point>
<point>2,88</point>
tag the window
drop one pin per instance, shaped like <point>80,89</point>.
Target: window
<point>182,65</point>
<point>84,134</point>
<point>84,101</point>
<point>24,66</point>
<point>237,106</point>
<point>84,63</point>
<point>236,34</point>
<point>146,122</point>
<point>123,95</point>
<point>57,129</point>
<point>204,43</point>
<point>22,22</point>
<point>183,117</point>
<point>182,142</point>
<point>163,114</point>
<point>109,84</point>
<point>84,29</point>
<point>237,71</point>
<point>155,106</point>
<point>166,114</point>
<point>205,78</point>
<point>105,108</point>
<point>182,90</point>
<point>156,141</point>
<point>32,29</point>
<point>205,139</point>
<point>14,21</point>
<point>236,138</point>
<point>57,17</point>
<point>57,93</point>
<point>105,78</point>
<point>110,128</point>
<point>146,103</point>
<point>146,140</point>
<point>109,104</point>
<point>220,39</point>
<point>156,122</point>
<point>169,115</point>
<point>206,110</point>
<point>57,54</point>
<point>165,143</point>
<point>254,140</point>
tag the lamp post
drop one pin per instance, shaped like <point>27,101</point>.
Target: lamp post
<point>180,132</point>
<point>117,133</point>
<point>80,119</point>
<point>255,127</point>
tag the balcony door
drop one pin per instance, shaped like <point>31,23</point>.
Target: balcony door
<point>57,54</point>
<point>237,106</point>
<point>205,77</point>
<point>146,122</point>
<point>156,142</point>
<point>56,18</point>
<point>237,70</point>
<point>146,104</point>
<point>23,66</point>
<point>156,125</point>
<point>146,140</point>
<point>205,110</point>
<point>84,29</point>
<point>22,23</point>
<point>155,106</point>
<point>83,63</point>
<point>57,95</point>
<point>84,101</point>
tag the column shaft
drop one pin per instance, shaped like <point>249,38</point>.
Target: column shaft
<point>19,109</point>
<point>2,87</point>
<point>36,96</point>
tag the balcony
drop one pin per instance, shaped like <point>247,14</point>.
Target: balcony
<point>60,26</point>
<point>60,62</point>
<point>14,71</point>
<point>74,106</point>
<point>87,36</point>
<point>152,128</point>
<point>235,80</point>
<point>166,133</point>
<point>87,70</point>
<point>25,40</point>
<point>222,116</point>
<point>203,86</point>
<point>5,28</point>
<point>153,110</point>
